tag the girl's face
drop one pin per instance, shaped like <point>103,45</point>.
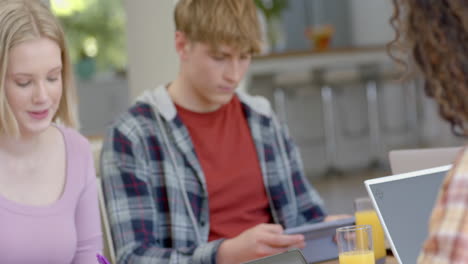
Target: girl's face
<point>33,84</point>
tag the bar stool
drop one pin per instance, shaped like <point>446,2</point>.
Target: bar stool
<point>287,81</point>
<point>329,80</point>
<point>370,77</point>
<point>324,80</point>
<point>375,76</point>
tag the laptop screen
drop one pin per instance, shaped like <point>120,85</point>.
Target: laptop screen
<point>404,204</point>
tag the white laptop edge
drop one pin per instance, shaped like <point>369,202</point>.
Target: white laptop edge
<point>393,178</point>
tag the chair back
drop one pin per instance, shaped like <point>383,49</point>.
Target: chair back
<point>109,251</point>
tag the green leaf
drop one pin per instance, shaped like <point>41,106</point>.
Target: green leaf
<point>105,21</point>
<point>271,8</point>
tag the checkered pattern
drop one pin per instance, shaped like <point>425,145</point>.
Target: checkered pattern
<point>448,229</point>
<point>149,220</point>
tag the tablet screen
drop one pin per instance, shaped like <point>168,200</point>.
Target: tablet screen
<point>320,239</point>
<point>289,257</point>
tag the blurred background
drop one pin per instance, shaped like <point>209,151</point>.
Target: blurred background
<point>324,67</point>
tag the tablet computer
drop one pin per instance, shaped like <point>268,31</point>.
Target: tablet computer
<point>320,239</point>
<point>289,257</point>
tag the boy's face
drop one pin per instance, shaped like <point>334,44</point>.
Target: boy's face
<point>212,74</point>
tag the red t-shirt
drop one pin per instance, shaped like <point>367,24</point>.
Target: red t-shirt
<point>224,146</point>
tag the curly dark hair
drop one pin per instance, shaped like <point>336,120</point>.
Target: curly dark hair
<point>435,34</point>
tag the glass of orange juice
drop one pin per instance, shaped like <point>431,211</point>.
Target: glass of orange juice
<point>366,215</point>
<point>355,244</point>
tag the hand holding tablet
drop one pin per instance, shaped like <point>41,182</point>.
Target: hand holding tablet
<point>320,238</point>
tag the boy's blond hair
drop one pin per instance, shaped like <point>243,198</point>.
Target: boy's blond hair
<point>24,20</point>
<point>215,22</point>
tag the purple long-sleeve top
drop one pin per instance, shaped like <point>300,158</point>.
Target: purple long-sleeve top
<point>66,231</point>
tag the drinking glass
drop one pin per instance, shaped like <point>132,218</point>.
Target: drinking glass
<point>366,215</point>
<point>355,244</point>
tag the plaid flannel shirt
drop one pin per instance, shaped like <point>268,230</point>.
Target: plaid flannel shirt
<point>149,220</point>
<point>448,228</point>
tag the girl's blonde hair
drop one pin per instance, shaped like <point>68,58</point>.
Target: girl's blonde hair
<point>24,20</point>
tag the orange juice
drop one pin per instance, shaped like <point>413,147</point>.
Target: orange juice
<point>357,257</point>
<point>369,217</point>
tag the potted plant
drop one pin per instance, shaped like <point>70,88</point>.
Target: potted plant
<point>272,10</point>
<point>96,37</point>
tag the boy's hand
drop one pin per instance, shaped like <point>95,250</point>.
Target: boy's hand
<point>259,241</point>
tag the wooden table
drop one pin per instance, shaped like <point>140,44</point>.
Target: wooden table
<point>389,260</point>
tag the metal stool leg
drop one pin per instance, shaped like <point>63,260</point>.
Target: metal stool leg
<point>280,104</point>
<point>329,128</point>
<point>413,112</point>
<point>374,120</point>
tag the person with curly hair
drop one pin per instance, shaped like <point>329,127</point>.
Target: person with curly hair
<point>435,33</point>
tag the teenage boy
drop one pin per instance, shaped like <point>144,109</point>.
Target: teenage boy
<point>197,172</point>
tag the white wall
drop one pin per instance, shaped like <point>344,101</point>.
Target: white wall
<point>152,59</point>
<point>370,21</point>
<point>102,100</point>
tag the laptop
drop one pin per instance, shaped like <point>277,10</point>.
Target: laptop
<point>404,203</point>
<point>407,160</point>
